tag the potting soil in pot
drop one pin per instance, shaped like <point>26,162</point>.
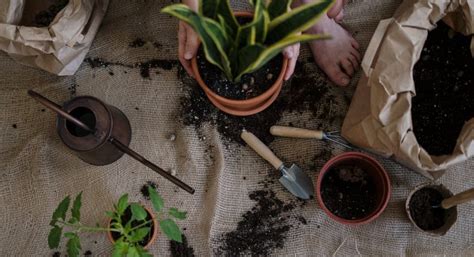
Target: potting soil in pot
<point>251,85</point>
<point>348,192</point>
<point>422,211</point>
<point>444,79</point>
<point>126,218</point>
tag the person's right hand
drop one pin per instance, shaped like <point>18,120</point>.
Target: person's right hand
<point>188,46</point>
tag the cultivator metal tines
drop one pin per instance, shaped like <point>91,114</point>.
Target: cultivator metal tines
<point>334,136</point>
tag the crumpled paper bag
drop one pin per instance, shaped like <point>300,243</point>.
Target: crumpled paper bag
<point>59,48</point>
<point>379,118</point>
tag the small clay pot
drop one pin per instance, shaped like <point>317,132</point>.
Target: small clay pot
<point>451,215</point>
<point>378,175</point>
<point>242,107</point>
<point>154,231</point>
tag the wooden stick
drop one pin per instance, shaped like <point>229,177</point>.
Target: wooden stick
<point>458,199</point>
<point>261,149</point>
<point>283,131</point>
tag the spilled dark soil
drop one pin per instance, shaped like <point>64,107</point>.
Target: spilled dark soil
<point>181,249</point>
<point>144,67</point>
<point>305,92</point>
<point>144,189</point>
<point>444,82</point>
<point>264,227</point>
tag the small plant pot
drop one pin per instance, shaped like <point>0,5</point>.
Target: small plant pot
<point>373,174</point>
<point>450,215</point>
<point>242,107</point>
<point>154,231</point>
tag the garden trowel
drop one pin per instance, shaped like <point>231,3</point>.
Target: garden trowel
<point>292,178</point>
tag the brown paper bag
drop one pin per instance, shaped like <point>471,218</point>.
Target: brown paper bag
<point>59,48</point>
<point>379,117</point>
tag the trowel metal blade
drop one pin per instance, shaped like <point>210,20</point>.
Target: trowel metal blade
<point>297,182</point>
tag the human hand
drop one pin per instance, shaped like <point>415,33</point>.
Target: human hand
<point>188,45</point>
<point>291,52</point>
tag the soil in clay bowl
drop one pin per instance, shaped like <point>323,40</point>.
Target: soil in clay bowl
<point>435,221</point>
<point>444,81</point>
<point>353,188</point>
<point>148,239</point>
<point>252,94</point>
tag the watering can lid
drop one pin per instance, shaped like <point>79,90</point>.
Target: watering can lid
<point>103,124</point>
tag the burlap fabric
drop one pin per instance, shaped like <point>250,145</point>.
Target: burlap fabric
<point>37,171</point>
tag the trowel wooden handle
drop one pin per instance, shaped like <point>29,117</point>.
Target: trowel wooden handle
<point>283,131</point>
<point>261,149</point>
<point>460,198</point>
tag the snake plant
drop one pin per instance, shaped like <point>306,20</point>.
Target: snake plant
<point>238,49</point>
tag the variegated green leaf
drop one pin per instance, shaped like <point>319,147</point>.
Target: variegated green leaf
<point>208,8</point>
<point>257,57</point>
<point>278,7</point>
<point>226,12</point>
<point>221,41</point>
<point>297,20</point>
<point>185,14</point>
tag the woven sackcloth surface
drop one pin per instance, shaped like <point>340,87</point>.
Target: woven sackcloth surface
<point>37,170</point>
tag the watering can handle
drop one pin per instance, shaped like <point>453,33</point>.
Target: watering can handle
<point>125,149</point>
<point>283,131</point>
<point>460,198</point>
<point>57,109</point>
<point>261,149</point>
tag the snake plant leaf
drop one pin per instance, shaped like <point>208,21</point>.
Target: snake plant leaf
<point>226,12</point>
<point>209,8</point>
<point>185,14</point>
<point>278,7</point>
<point>261,20</point>
<point>253,59</point>
<point>297,20</point>
<point>218,35</point>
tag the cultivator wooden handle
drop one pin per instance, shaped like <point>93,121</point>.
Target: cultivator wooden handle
<point>261,149</point>
<point>458,199</point>
<point>283,131</point>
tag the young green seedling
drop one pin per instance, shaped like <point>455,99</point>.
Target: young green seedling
<point>130,221</point>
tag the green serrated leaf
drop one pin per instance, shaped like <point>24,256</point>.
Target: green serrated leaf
<point>171,230</point>
<point>156,199</point>
<point>177,213</point>
<point>110,214</point>
<point>73,245</point>
<point>76,207</point>
<point>133,252</point>
<point>122,204</point>
<point>138,212</point>
<point>120,248</point>
<point>72,220</point>
<point>54,237</point>
<point>139,234</point>
<point>60,212</point>
<point>143,252</point>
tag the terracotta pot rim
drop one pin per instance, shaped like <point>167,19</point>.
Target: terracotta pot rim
<point>386,194</point>
<point>228,101</point>
<point>155,228</point>
<point>251,111</point>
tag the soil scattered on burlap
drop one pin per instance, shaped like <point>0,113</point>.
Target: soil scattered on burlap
<point>251,85</point>
<point>56,254</point>
<point>349,192</point>
<point>144,189</point>
<point>88,253</point>
<point>137,43</point>
<point>44,18</point>
<point>444,80</point>
<point>181,249</point>
<point>264,227</point>
<point>145,67</point>
<point>422,211</point>
<point>305,92</point>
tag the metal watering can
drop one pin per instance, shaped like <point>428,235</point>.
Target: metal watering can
<point>98,133</point>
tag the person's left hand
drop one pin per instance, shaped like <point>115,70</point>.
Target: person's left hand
<point>291,52</point>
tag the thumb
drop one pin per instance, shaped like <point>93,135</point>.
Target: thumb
<point>192,44</point>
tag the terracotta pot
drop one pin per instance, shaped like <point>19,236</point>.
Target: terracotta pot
<point>375,171</point>
<point>154,231</point>
<point>242,107</point>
